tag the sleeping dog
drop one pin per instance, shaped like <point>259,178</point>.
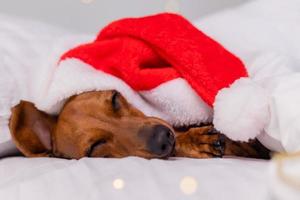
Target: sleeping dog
<point>131,92</point>
<point>104,124</point>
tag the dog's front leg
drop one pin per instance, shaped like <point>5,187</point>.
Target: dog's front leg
<point>206,142</point>
<point>199,142</point>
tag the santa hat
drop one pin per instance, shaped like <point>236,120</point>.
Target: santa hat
<point>164,66</point>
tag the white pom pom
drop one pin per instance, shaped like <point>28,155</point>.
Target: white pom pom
<point>241,111</point>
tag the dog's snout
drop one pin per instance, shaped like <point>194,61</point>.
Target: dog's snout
<point>161,141</point>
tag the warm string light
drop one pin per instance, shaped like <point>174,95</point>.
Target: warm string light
<point>118,184</point>
<point>188,185</point>
<point>280,160</point>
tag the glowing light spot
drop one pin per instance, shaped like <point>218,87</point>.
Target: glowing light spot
<point>118,184</point>
<point>188,185</point>
<point>87,1</point>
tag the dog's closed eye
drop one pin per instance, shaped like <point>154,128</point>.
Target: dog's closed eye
<point>95,145</point>
<point>115,102</point>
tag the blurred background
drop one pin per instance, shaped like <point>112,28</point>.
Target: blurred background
<point>91,15</point>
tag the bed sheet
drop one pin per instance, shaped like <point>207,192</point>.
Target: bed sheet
<point>133,178</point>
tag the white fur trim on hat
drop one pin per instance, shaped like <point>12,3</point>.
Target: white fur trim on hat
<point>174,101</point>
<point>241,111</point>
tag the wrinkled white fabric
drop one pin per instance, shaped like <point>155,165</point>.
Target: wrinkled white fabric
<point>265,35</point>
<point>29,52</point>
<point>92,178</point>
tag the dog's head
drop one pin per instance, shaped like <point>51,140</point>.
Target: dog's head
<point>93,124</point>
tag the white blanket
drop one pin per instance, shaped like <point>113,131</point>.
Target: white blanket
<point>133,178</point>
<point>265,34</point>
<point>29,50</point>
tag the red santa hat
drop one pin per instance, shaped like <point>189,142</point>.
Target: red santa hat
<point>162,64</point>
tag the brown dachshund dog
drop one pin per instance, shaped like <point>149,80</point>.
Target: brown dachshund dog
<point>104,124</point>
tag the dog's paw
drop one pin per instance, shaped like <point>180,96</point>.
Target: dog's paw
<point>200,142</point>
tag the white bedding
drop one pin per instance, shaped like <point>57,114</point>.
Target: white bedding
<point>212,179</point>
<point>264,34</point>
<point>207,179</point>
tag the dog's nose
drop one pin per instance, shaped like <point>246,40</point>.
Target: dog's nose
<point>161,141</point>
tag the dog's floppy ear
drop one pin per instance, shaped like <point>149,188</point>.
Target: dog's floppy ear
<point>31,130</point>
